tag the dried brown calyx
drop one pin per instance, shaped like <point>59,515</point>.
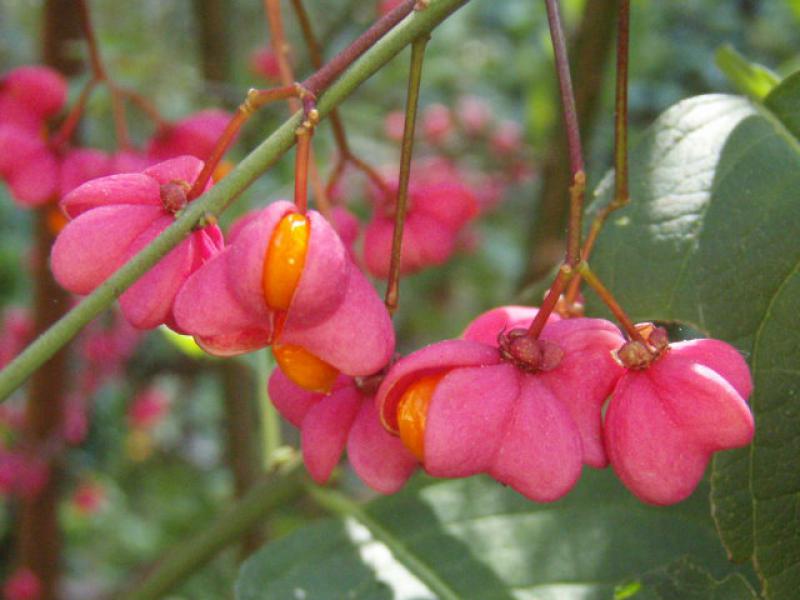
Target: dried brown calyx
<point>175,195</point>
<point>636,354</point>
<point>529,354</point>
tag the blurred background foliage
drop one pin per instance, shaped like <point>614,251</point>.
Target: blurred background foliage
<point>155,493</point>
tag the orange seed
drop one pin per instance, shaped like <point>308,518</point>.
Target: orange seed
<point>284,261</point>
<point>412,413</point>
<point>303,368</point>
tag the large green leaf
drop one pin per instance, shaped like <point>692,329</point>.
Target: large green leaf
<point>684,580</point>
<point>473,538</point>
<point>711,239</point>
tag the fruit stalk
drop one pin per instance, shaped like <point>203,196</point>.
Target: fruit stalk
<point>412,101</point>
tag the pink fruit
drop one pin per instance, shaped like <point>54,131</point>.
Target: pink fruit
<point>439,206</point>
<point>28,166</point>
<point>15,333</point>
<point>437,123</point>
<point>332,312</point>
<point>29,95</point>
<point>195,135</point>
<point>345,418</point>
<point>148,409</point>
<point>22,585</point>
<point>524,412</point>
<point>263,62</point>
<point>666,420</point>
<point>507,138</point>
<point>81,165</point>
<point>113,218</point>
<point>474,114</point>
<point>394,125</point>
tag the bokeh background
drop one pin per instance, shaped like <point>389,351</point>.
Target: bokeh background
<point>162,452</point>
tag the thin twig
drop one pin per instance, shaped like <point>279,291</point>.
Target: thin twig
<point>412,101</point>
<point>281,48</point>
<point>609,300</point>
<point>621,195</point>
<point>340,137</point>
<point>573,132</point>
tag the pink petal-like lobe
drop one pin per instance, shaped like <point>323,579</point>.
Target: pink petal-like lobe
<point>325,430</point>
<point>467,419</point>
<point>378,458</point>
<point>436,358</point>
<point>94,245</point>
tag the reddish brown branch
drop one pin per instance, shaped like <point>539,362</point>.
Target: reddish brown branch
<point>323,78</point>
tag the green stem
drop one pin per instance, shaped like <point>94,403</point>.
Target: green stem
<point>407,149</point>
<point>341,506</point>
<point>220,196</point>
<point>196,551</point>
<point>271,423</point>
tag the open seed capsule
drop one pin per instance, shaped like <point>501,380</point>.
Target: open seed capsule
<point>412,412</point>
<point>283,267</point>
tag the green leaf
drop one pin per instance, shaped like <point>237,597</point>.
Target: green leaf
<point>747,77</point>
<point>710,239</point>
<point>473,538</point>
<point>684,580</point>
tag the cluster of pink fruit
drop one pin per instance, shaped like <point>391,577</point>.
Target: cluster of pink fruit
<point>529,410</point>
<point>38,167</point>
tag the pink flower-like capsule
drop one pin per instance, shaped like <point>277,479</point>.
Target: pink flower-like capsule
<point>437,123</point>
<point>113,218</point>
<point>474,114</point>
<point>28,166</point>
<point>264,62</point>
<point>16,331</point>
<point>22,585</point>
<point>28,96</point>
<point>394,124</point>
<point>344,222</point>
<point>89,497</point>
<point>286,281</point>
<point>664,421</point>
<point>148,409</point>
<point>344,418</point>
<point>526,412</point>
<point>80,165</point>
<point>195,135</point>
<point>439,206</point>
<point>586,372</point>
<point>507,139</point>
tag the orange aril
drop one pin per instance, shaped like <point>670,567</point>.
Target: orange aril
<point>284,261</point>
<point>283,266</point>
<point>412,414</point>
<point>303,368</point>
